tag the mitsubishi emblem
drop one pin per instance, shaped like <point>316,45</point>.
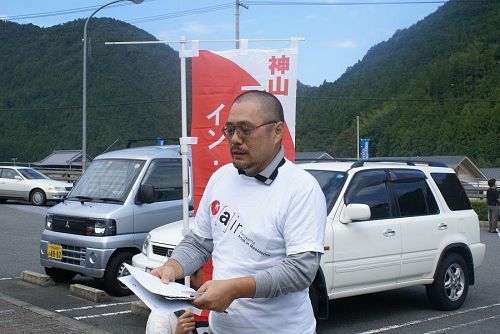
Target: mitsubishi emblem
<point>67,224</point>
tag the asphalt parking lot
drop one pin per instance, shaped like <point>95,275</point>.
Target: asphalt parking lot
<point>53,309</point>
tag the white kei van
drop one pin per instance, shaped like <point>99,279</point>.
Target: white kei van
<point>104,220</point>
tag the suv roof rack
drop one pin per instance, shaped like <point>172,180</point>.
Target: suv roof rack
<point>409,162</point>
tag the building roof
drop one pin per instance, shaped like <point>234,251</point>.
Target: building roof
<point>62,158</point>
<point>462,165</point>
<point>311,156</point>
<point>491,173</point>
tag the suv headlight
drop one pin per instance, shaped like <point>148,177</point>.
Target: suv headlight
<point>145,245</point>
<point>101,228</point>
<point>48,221</point>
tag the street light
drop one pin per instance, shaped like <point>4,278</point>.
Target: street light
<point>84,116</point>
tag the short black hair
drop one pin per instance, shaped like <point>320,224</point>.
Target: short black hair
<point>270,103</point>
<point>491,182</point>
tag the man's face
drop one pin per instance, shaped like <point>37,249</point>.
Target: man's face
<point>252,153</point>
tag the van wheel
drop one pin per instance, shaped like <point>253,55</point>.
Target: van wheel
<point>60,275</point>
<point>37,197</point>
<point>451,283</point>
<point>115,269</point>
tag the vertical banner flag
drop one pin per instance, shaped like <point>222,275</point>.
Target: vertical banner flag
<point>217,79</point>
<point>364,148</point>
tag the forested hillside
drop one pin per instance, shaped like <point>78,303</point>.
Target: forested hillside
<point>432,89</point>
<point>41,88</point>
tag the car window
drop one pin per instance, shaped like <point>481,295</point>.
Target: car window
<point>414,198</point>
<point>166,178</point>
<point>412,193</point>
<point>9,174</point>
<point>452,191</point>
<point>331,182</point>
<point>32,174</point>
<point>370,188</point>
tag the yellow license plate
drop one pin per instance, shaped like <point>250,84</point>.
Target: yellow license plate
<point>54,251</point>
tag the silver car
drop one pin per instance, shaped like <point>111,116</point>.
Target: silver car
<point>26,183</point>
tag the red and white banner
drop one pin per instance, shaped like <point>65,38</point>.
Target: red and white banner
<point>217,79</point>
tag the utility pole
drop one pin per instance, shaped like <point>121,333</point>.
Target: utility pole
<point>237,16</point>
<point>357,136</point>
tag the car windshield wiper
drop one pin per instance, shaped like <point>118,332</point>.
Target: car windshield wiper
<point>109,199</point>
<point>82,199</point>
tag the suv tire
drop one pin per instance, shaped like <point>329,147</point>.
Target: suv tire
<point>38,197</point>
<point>60,275</point>
<point>451,283</point>
<point>115,269</point>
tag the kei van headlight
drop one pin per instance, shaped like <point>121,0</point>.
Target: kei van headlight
<point>48,221</point>
<point>101,228</point>
<point>145,245</point>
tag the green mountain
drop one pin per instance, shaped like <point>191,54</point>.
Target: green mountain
<point>431,89</point>
<point>133,91</point>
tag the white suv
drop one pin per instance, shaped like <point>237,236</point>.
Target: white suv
<point>391,224</point>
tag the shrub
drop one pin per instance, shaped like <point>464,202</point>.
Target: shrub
<point>480,207</point>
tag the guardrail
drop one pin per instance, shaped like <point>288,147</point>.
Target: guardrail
<point>61,174</point>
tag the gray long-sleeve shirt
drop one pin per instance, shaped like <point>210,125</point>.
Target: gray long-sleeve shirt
<point>296,272</point>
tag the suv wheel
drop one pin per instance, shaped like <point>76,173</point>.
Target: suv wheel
<point>115,269</point>
<point>60,275</point>
<point>451,283</point>
<point>37,197</point>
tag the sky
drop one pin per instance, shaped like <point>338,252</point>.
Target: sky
<point>336,35</point>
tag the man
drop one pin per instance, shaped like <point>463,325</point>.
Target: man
<point>263,221</point>
<point>492,201</point>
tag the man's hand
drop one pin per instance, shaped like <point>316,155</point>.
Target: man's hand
<point>185,323</point>
<point>217,295</point>
<point>169,271</point>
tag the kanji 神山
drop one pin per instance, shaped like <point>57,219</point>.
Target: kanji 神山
<point>281,64</point>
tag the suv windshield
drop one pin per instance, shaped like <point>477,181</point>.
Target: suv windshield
<point>107,180</point>
<point>31,174</point>
<point>331,183</point>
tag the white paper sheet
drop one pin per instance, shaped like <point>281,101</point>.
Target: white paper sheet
<point>155,285</point>
<point>156,302</point>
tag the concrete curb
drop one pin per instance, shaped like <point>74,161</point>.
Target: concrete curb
<point>49,314</point>
<point>37,278</point>
<point>88,293</point>
<point>139,308</point>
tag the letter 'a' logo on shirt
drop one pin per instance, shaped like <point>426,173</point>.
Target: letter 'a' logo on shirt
<point>215,207</point>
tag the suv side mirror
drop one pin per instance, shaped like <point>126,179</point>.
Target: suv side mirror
<point>355,212</point>
<point>17,177</point>
<point>146,193</point>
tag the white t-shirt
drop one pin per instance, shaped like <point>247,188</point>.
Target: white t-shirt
<point>254,227</point>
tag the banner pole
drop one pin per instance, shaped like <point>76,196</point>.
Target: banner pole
<point>184,146</point>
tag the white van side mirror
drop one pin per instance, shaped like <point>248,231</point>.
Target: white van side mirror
<point>17,177</point>
<point>354,212</point>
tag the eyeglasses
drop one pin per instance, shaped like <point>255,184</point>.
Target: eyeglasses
<point>242,130</point>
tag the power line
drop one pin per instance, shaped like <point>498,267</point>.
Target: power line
<point>337,98</point>
<point>217,7</point>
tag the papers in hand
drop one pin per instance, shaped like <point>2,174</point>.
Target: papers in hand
<point>159,296</point>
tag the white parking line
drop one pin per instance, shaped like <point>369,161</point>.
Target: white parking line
<point>90,307</point>
<point>410,323</point>
<point>465,324</point>
<point>102,315</point>
<point>6,278</point>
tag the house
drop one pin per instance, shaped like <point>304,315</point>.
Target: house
<point>63,165</point>
<point>69,159</point>
<point>303,157</point>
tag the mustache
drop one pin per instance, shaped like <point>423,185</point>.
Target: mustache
<point>237,150</point>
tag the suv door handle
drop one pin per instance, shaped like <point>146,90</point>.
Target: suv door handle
<point>389,232</point>
<point>442,226</point>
